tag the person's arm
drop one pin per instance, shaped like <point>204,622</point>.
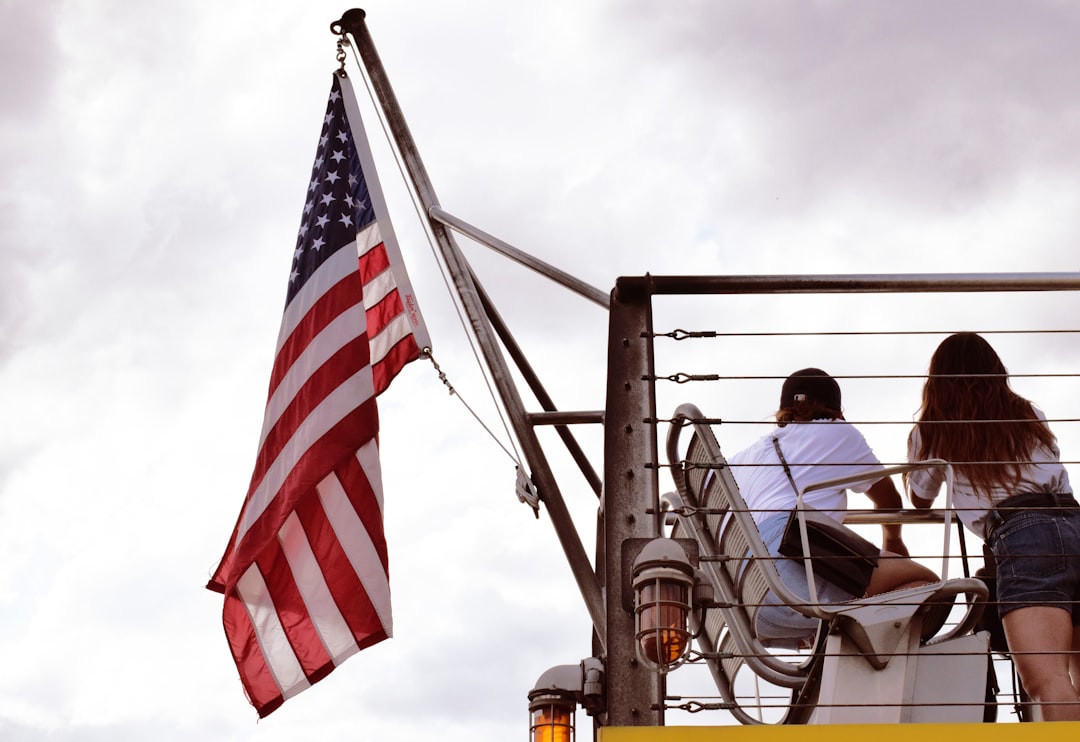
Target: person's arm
<point>923,482</point>
<point>885,496</point>
<point>927,481</point>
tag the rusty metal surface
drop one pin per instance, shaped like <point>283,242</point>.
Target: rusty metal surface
<point>630,491</point>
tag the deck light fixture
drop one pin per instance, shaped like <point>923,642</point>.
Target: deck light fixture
<point>552,719</point>
<point>663,581</point>
<point>556,696</point>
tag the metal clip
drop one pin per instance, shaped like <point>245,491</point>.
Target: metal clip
<point>342,42</point>
<point>526,492</point>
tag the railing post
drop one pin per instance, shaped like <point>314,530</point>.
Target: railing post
<point>630,489</point>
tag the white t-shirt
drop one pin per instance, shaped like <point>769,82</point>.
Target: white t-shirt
<point>815,451</point>
<point>1044,473</point>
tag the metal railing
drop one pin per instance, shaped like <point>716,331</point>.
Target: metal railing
<point>727,342</point>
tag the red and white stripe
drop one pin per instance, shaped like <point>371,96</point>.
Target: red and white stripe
<point>305,573</point>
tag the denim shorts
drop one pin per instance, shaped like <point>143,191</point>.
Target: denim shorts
<point>1038,561</point>
<point>776,621</point>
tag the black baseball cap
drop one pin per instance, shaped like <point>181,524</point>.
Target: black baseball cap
<point>811,383</point>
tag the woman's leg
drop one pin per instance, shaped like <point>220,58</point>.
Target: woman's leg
<point>895,572</point>
<point>1040,640</point>
<point>777,623</point>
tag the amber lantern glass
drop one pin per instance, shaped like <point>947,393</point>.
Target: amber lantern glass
<point>552,722</point>
<point>663,583</point>
<point>662,621</point>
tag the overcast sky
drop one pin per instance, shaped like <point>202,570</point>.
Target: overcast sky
<point>155,158</point>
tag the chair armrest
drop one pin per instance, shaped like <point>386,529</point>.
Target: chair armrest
<point>874,475</point>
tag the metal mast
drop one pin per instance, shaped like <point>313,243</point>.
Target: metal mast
<point>353,23</point>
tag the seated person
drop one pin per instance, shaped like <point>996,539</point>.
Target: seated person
<point>817,444</point>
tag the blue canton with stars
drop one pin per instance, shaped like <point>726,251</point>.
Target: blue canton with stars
<point>338,205</point>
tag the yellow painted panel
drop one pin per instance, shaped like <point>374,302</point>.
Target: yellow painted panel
<point>1068,731</point>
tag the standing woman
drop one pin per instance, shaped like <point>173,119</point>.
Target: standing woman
<point>1010,489</point>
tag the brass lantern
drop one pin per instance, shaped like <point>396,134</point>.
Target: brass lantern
<point>558,692</point>
<point>663,581</point>
<point>552,704</point>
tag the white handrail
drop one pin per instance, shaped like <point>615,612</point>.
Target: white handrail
<point>876,474</point>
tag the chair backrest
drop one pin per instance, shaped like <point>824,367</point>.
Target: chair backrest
<point>733,556</point>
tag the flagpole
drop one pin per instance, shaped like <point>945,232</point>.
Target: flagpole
<point>353,23</point>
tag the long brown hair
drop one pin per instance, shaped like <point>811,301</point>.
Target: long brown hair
<point>967,389</point>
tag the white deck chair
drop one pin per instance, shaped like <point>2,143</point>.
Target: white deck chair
<point>869,665</point>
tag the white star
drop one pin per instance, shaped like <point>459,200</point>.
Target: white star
<point>296,255</point>
<point>319,242</point>
<point>322,220</point>
<point>363,206</point>
<point>308,206</point>
<point>327,200</point>
<point>303,229</point>
<point>352,180</point>
<point>318,162</point>
<point>323,140</point>
<point>335,95</point>
<point>329,118</point>
<point>349,200</point>
<point>338,155</point>
<point>346,220</point>
<point>342,136</point>
<point>296,274</point>
<point>332,176</point>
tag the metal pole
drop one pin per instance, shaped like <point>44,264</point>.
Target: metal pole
<point>630,490</point>
<point>866,283</point>
<point>533,381</point>
<point>576,285</point>
<point>352,22</point>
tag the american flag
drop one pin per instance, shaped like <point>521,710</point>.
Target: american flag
<point>305,573</point>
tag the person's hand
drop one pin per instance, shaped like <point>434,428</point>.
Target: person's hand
<point>895,544</point>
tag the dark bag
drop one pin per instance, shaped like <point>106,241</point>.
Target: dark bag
<point>839,555</point>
